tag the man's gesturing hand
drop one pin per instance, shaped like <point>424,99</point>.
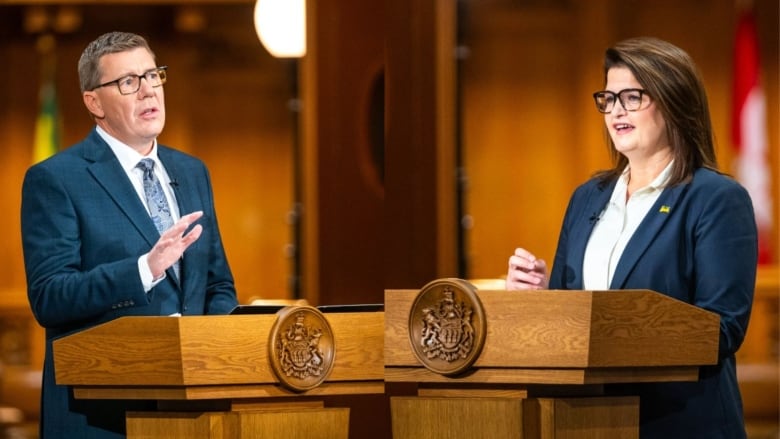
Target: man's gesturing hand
<point>172,244</point>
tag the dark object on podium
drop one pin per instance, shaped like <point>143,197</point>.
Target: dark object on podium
<point>273,309</point>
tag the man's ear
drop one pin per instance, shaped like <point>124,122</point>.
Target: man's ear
<point>92,102</point>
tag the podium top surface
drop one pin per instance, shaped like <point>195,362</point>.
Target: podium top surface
<point>206,351</point>
<point>557,329</point>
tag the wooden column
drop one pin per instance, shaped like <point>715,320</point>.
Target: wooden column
<point>420,215</point>
<point>342,160</point>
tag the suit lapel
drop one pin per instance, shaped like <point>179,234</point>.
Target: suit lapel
<point>108,173</point>
<point>648,229</point>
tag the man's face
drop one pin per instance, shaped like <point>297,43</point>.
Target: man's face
<point>136,118</point>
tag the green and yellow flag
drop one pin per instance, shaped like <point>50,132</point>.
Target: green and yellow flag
<point>46,130</point>
<point>47,136</point>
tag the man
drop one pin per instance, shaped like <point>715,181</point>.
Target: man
<point>104,237</point>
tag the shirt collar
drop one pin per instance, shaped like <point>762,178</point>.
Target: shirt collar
<point>127,156</point>
<point>662,179</point>
<point>658,183</point>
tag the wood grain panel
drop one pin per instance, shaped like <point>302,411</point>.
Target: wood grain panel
<point>205,351</point>
<point>457,418</point>
<point>573,329</point>
<point>217,392</point>
<point>328,423</point>
<point>302,423</point>
<point>669,331</point>
<point>582,418</point>
<point>184,425</point>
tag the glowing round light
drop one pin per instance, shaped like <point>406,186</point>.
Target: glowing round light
<point>281,27</point>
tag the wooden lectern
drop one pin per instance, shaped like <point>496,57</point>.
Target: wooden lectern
<point>214,376</point>
<point>545,357</point>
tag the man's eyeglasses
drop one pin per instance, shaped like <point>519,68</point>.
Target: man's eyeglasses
<point>132,83</point>
<point>631,99</point>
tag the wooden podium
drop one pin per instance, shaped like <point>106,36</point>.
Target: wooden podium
<point>216,376</point>
<point>539,368</point>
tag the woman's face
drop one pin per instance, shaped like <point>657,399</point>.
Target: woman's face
<point>640,134</point>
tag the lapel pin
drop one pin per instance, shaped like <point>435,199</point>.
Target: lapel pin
<point>664,209</point>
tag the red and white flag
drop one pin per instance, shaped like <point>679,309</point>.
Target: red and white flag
<point>749,128</point>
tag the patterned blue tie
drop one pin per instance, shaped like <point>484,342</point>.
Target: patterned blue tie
<point>158,206</point>
<point>159,209</point>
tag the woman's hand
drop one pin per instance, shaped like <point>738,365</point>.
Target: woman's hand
<point>526,272</point>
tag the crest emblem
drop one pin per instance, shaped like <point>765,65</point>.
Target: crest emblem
<point>301,345</point>
<point>447,332</point>
<point>447,326</point>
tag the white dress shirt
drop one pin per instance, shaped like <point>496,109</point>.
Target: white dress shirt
<point>615,226</point>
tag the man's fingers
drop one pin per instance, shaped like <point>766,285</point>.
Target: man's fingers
<point>178,229</point>
<point>192,217</point>
<point>192,236</point>
<point>172,244</point>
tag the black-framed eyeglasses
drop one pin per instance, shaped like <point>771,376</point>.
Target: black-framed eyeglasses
<point>132,83</point>
<point>630,98</point>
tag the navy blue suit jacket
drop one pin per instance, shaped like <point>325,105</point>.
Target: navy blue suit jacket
<point>698,244</point>
<point>83,230</point>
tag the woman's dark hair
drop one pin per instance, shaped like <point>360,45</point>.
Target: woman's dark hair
<point>672,80</point>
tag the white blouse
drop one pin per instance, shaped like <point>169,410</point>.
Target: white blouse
<point>615,226</point>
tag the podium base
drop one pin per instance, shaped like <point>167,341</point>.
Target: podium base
<point>307,423</point>
<point>417,417</point>
<point>516,418</point>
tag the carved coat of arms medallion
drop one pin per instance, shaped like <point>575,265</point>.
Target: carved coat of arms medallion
<point>301,347</point>
<point>447,326</point>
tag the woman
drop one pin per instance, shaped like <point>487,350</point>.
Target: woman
<point>664,219</point>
